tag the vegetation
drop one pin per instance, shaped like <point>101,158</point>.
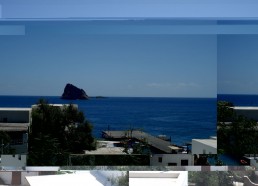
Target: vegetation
<point>235,133</point>
<point>124,179</point>
<point>57,132</point>
<point>121,180</point>
<point>132,146</point>
<point>210,178</point>
<point>109,160</point>
<point>5,141</point>
<point>219,178</point>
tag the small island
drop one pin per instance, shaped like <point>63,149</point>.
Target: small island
<point>100,97</point>
<point>72,92</point>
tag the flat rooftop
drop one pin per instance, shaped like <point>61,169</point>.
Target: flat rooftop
<point>153,141</point>
<point>164,178</point>
<point>106,151</point>
<point>78,179</point>
<point>245,108</point>
<point>209,142</point>
<point>14,109</point>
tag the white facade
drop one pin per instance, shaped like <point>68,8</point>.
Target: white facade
<point>253,161</point>
<point>204,146</point>
<point>171,160</point>
<point>16,122</point>
<point>16,160</point>
<point>211,168</point>
<point>164,178</point>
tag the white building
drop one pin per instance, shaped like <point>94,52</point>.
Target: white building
<point>164,178</point>
<point>16,122</point>
<point>253,160</point>
<point>171,160</point>
<point>16,160</point>
<point>204,146</point>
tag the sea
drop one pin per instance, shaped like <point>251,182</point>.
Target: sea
<point>182,119</point>
<point>239,99</point>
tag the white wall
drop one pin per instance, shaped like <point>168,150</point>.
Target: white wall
<point>171,158</point>
<point>253,163</point>
<point>219,168</point>
<point>200,148</point>
<point>13,161</point>
<point>6,177</point>
<point>24,180</point>
<point>176,178</point>
<point>183,178</point>
<point>42,168</point>
<point>193,168</point>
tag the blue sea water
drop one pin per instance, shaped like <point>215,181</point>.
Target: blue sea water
<point>239,99</point>
<point>181,118</point>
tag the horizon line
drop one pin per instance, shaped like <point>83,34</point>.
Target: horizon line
<point>116,96</point>
<point>237,94</point>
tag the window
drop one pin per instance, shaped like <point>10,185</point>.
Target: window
<point>5,120</point>
<point>184,162</point>
<point>160,159</point>
<point>172,164</point>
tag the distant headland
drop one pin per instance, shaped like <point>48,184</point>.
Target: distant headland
<point>72,92</point>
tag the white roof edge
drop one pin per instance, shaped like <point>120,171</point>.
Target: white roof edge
<point>15,109</point>
<point>244,108</point>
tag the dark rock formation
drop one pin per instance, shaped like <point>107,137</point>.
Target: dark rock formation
<point>72,92</point>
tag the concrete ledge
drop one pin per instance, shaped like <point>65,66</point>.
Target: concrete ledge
<point>153,174</point>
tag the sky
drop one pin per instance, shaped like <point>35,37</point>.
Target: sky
<point>163,59</point>
<point>108,58</point>
<point>129,8</point>
<point>238,64</point>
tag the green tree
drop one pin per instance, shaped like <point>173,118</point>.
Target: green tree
<point>210,178</point>
<point>46,151</point>
<point>225,111</point>
<point>123,180</point>
<point>235,132</point>
<point>5,141</point>
<point>56,132</point>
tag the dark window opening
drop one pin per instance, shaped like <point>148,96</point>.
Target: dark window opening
<point>172,164</point>
<point>5,120</point>
<point>160,159</point>
<point>184,162</point>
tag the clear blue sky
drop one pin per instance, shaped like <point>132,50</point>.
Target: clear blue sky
<point>129,8</point>
<point>109,59</point>
<point>238,64</point>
